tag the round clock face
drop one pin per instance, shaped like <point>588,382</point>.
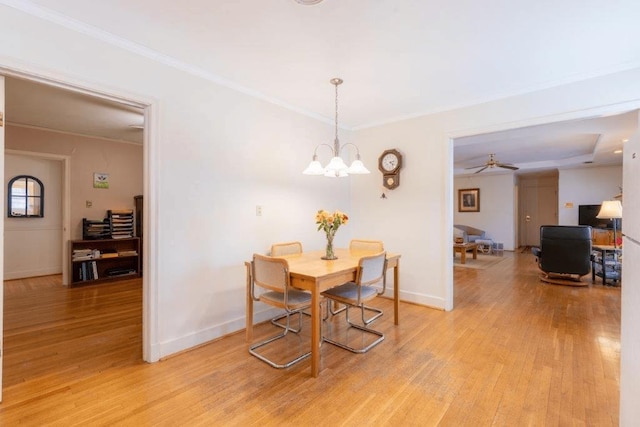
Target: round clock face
<point>389,161</point>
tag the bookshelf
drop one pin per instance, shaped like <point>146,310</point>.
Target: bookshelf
<point>104,260</point>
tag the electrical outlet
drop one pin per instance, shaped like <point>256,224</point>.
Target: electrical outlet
<point>258,210</point>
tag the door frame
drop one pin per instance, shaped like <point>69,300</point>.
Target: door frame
<point>451,136</point>
<point>66,201</point>
<point>150,351</point>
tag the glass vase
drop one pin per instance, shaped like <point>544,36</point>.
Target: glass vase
<point>329,255</point>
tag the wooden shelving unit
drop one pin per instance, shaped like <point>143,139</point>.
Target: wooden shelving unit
<point>109,260</point>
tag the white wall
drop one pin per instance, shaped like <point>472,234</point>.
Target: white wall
<point>497,206</point>
<point>122,161</point>
<point>214,155</point>
<point>32,246</point>
<point>630,314</point>
<point>585,186</point>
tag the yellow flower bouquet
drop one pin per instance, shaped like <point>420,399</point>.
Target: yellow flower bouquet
<point>329,223</point>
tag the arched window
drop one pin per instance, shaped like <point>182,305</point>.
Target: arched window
<point>25,197</point>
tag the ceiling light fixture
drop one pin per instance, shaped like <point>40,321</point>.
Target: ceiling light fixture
<point>308,2</point>
<point>336,167</point>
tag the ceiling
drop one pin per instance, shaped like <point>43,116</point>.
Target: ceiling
<point>568,144</point>
<point>398,59</point>
<point>49,107</point>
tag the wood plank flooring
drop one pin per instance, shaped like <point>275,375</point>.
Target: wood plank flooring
<point>515,351</point>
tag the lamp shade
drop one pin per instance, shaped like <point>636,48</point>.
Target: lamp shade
<point>611,209</point>
<point>357,167</point>
<point>337,165</point>
<point>314,168</point>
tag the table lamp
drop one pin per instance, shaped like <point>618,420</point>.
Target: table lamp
<point>611,209</point>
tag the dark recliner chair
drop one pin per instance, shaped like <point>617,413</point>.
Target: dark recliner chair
<point>564,254</point>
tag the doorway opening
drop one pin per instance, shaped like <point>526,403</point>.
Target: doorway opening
<point>73,100</point>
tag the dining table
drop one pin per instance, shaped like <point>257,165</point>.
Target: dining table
<point>308,271</point>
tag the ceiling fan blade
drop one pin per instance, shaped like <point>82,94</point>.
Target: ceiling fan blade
<point>479,166</point>
<point>502,165</point>
<point>480,170</point>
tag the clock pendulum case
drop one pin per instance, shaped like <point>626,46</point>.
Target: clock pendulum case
<point>390,163</point>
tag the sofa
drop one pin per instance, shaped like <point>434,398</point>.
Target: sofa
<point>468,234</point>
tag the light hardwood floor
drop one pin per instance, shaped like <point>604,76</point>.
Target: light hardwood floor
<point>515,351</point>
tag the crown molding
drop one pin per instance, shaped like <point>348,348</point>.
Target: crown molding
<point>128,45</point>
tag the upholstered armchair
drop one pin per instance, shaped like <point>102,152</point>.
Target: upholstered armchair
<point>468,234</point>
<point>564,255</point>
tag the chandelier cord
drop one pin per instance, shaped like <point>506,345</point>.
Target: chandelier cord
<point>336,142</point>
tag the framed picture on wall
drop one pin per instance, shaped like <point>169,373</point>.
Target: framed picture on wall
<point>100,180</point>
<point>469,200</point>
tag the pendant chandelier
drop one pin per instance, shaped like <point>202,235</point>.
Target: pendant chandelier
<point>336,168</point>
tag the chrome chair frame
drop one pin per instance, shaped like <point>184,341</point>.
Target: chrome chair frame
<point>373,246</point>
<point>279,294</point>
<point>355,294</point>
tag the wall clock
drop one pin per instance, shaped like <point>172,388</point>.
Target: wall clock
<point>390,163</point>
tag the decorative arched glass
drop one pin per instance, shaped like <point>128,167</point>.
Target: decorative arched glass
<point>25,197</point>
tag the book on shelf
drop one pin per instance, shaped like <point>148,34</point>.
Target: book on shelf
<point>94,267</point>
<point>128,253</point>
<point>120,271</point>
<point>82,254</point>
<point>88,270</point>
<point>109,255</point>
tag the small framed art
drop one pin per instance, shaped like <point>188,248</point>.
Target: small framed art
<point>469,200</point>
<point>100,180</point>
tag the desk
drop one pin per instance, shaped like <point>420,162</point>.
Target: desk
<point>463,248</point>
<point>307,271</point>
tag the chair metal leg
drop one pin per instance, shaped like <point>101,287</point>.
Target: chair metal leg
<point>286,328</point>
<point>335,304</point>
<point>275,320</point>
<point>380,335</point>
<point>371,319</point>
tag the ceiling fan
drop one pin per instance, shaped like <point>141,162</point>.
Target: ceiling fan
<point>493,163</point>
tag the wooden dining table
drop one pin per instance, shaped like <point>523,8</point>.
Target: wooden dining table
<point>308,271</point>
